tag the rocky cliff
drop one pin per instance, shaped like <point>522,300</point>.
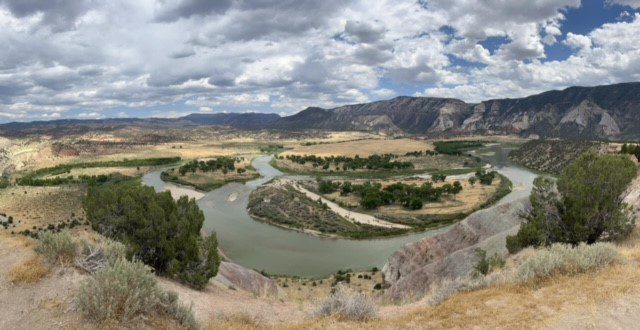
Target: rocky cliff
<point>410,271</point>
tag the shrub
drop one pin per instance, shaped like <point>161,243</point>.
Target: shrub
<point>530,266</point>
<point>126,291</point>
<point>348,306</point>
<point>487,265</point>
<point>564,259</point>
<point>94,257</point>
<point>57,247</point>
<point>31,271</point>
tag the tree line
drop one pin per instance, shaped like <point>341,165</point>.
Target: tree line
<point>373,195</point>
<point>455,147</point>
<point>34,178</point>
<point>372,162</point>
<point>224,164</point>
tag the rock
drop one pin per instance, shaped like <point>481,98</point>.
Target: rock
<point>237,277</point>
<point>410,271</point>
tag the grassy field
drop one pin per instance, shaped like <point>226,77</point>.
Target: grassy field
<point>40,206</point>
<point>207,181</point>
<point>362,148</point>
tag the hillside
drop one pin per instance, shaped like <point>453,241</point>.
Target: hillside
<point>551,156</point>
<point>607,112</point>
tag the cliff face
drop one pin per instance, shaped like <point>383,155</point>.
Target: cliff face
<point>603,112</point>
<point>576,112</point>
<point>410,271</point>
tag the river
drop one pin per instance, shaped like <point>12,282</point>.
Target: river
<point>260,246</point>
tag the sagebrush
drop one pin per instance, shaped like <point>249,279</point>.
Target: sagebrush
<point>126,291</point>
<point>57,247</point>
<point>531,265</point>
<point>347,305</point>
<point>565,259</point>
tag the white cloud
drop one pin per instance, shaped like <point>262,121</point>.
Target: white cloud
<point>287,55</point>
<point>577,41</point>
<point>630,3</point>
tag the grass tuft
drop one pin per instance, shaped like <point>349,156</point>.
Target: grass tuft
<point>29,272</point>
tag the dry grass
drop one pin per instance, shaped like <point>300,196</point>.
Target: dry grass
<point>303,290</point>
<point>31,271</point>
<point>40,206</point>
<point>128,171</point>
<point>240,320</point>
<point>363,148</point>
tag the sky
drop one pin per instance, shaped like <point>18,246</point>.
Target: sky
<point>168,58</point>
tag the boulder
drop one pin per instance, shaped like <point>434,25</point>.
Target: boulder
<point>410,271</point>
<point>236,276</point>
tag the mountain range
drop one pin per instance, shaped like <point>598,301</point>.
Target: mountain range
<point>609,112</point>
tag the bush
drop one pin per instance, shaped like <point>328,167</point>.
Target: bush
<point>348,306</point>
<point>57,247</point>
<point>126,291</point>
<point>564,259</point>
<point>94,257</point>
<point>487,265</point>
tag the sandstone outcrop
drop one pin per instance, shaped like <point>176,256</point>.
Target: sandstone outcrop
<point>410,271</point>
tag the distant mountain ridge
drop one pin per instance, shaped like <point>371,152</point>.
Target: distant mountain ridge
<point>601,112</point>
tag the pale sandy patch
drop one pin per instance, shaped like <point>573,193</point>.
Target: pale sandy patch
<point>177,192</point>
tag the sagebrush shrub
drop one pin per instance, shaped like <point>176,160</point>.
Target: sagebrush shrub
<point>532,265</point>
<point>565,259</point>
<point>57,247</point>
<point>121,292</point>
<point>95,256</point>
<point>128,290</point>
<point>347,305</point>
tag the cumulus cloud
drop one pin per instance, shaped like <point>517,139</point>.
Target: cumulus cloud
<point>282,56</point>
<point>630,3</point>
